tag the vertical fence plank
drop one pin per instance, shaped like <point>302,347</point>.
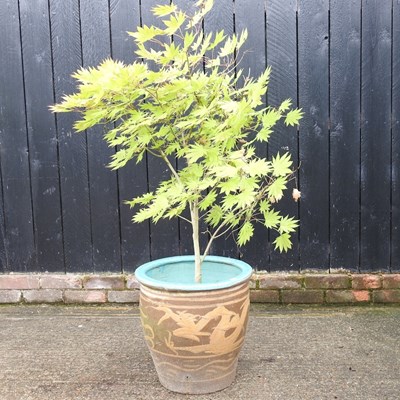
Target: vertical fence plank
<point>124,18</point>
<point>345,133</point>
<point>66,45</point>
<point>282,57</point>
<point>375,134</point>
<point>104,208</point>
<point>395,256</point>
<point>314,139</point>
<point>135,240</point>
<point>221,18</point>
<point>13,144</point>
<point>3,244</point>
<point>164,236</point>
<point>36,45</point>
<point>252,54</point>
<point>253,63</point>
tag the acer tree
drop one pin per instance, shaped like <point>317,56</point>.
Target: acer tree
<point>183,100</point>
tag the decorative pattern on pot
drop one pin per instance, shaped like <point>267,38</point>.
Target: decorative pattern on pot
<point>195,337</point>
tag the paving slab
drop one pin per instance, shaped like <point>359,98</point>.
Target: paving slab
<point>98,353</point>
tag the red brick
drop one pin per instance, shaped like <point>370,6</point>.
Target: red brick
<point>131,282</point>
<point>10,296</point>
<point>104,282</point>
<point>85,296</point>
<point>60,282</point>
<point>43,296</point>
<point>302,296</point>
<point>264,296</point>
<point>327,281</point>
<point>386,296</point>
<point>19,282</point>
<point>347,296</point>
<point>366,281</point>
<point>123,296</point>
<point>391,281</point>
<point>280,281</point>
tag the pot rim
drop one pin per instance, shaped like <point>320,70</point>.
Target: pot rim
<point>245,272</point>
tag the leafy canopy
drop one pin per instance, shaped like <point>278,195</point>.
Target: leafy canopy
<point>185,101</point>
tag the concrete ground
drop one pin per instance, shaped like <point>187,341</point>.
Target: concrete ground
<point>98,353</point>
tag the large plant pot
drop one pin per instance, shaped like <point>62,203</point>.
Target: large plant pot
<point>194,330</point>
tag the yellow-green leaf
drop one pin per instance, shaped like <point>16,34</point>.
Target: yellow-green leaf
<point>145,33</point>
<point>258,167</point>
<point>230,185</point>
<point>283,242</point>
<point>285,105</point>
<point>219,37</point>
<point>287,224</point>
<point>293,117</point>
<point>245,233</point>
<point>281,165</point>
<point>174,23</point>
<point>228,47</point>
<point>275,190</point>
<point>264,134</point>
<point>242,38</point>
<point>214,216</point>
<point>163,10</point>
<point>271,118</point>
<point>188,39</point>
<point>271,218</point>
<point>208,200</point>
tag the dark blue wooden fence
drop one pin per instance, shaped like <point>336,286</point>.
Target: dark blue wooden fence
<point>339,60</point>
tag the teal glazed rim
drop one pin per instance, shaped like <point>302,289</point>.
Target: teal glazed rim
<point>216,279</point>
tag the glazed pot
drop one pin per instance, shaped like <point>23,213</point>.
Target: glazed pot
<point>194,330</point>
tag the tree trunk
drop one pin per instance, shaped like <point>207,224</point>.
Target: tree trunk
<point>194,213</point>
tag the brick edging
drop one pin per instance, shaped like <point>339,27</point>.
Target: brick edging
<point>284,288</point>
<point>317,288</point>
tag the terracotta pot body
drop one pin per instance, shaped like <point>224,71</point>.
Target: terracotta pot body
<point>195,336</point>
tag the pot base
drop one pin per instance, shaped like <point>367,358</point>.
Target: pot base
<point>195,382</point>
